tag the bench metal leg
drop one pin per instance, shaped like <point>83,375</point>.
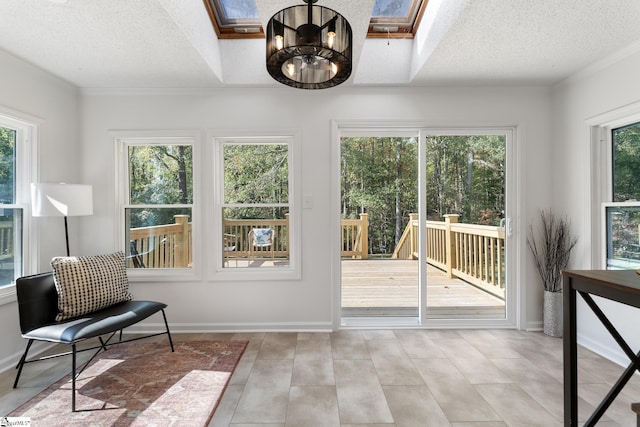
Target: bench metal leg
<point>103,344</point>
<point>21,363</point>
<point>166,324</point>
<point>73,378</point>
<point>74,370</point>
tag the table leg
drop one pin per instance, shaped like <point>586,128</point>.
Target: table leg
<point>570,354</point>
<point>628,373</point>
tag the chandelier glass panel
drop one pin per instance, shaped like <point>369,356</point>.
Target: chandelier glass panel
<point>309,47</point>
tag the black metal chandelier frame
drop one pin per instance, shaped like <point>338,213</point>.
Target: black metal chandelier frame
<point>309,47</point>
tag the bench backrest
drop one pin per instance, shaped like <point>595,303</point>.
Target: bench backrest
<point>37,301</point>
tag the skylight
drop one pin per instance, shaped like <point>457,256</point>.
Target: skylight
<point>396,17</point>
<point>233,19</point>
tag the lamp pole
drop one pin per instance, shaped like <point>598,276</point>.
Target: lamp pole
<point>66,233</point>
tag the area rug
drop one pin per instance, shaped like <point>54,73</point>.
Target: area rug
<point>141,384</point>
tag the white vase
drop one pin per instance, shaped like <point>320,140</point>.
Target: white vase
<point>552,314</point>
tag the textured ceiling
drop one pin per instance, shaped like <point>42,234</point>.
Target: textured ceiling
<point>171,44</point>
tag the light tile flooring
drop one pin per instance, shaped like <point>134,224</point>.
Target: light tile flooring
<point>483,378</point>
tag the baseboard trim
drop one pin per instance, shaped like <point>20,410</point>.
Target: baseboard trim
<point>615,354</point>
<point>232,327</point>
<point>11,361</point>
<point>535,326</point>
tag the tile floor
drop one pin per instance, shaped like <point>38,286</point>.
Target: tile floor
<point>483,378</point>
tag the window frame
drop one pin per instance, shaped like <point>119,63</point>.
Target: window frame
<point>609,183</point>
<point>604,228</point>
<point>125,139</point>
<point>293,270</point>
<point>599,133</point>
<point>26,166</point>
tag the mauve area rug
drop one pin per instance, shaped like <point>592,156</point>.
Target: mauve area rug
<point>141,384</point>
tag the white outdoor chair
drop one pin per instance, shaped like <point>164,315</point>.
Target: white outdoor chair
<point>261,239</point>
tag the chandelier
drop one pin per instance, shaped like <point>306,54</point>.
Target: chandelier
<point>309,47</point>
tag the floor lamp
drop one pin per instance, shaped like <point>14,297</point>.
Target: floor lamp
<point>61,200</point>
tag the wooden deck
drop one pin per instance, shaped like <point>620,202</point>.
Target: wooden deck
<point>389,287</point>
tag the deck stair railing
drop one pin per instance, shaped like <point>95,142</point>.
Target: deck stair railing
<point>355,237</point>
<point>471,252</point>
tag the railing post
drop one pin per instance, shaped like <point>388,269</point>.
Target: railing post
<point>413,237</point>
<point>286,217</point>
<point>181,251</point>
<point>364,235</point>
<point>449,243</point>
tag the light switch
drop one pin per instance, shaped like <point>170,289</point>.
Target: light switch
<point>307,201</point>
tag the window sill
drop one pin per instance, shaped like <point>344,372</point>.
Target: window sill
<point>8,294</point>
<point>252,275</point>
<point>162,275</point>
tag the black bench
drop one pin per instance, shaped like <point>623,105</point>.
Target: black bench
<point>38,307</point>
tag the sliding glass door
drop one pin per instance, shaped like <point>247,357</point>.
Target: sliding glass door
<point>379,202</point>
<point>425,225</point>
<point>466,224</point>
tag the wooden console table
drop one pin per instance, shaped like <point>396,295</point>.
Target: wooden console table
<point>622,286</point>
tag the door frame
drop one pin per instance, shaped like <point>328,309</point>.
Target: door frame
<point>514,303</point>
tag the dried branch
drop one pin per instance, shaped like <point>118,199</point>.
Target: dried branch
<point>551,252</point>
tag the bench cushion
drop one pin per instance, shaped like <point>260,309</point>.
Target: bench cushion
<point>110,319</point>
<point>89,283</point>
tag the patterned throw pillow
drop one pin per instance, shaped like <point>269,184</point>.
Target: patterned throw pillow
<point>89,283</point>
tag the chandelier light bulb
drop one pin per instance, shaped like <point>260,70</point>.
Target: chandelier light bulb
<point>279,41</point>
<point>331,38</point>
<point>291,69</point>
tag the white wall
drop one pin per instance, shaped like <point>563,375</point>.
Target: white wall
<point>304,304</point>
<point>76,146</point>
<point>26,89</point>
<point>610,86</point>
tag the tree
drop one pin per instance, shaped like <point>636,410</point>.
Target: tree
<point>626,152</point>
<point>379,177</point>
<point>159,175</point>
<point>256,174</point>
<point>7,164</point>
<point>465,176</point>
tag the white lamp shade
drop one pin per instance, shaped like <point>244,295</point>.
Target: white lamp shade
<point>61,199</point>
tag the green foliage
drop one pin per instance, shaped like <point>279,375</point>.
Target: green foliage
<point>465,176</point>
<point>626,167</point>
<point>159,175</point>
<point>7,165</point>
<point>379,177</point>
<point>623,223</point>
<point>256,174</point>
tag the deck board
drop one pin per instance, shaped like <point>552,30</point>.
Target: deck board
<point>390,287</point>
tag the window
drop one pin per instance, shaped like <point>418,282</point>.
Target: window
<point>16,138</point>
<point>255,187</point>
<point>625,148</point>
<point>239,19</point>
<point>157,208</point>
<point>622,217</point>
